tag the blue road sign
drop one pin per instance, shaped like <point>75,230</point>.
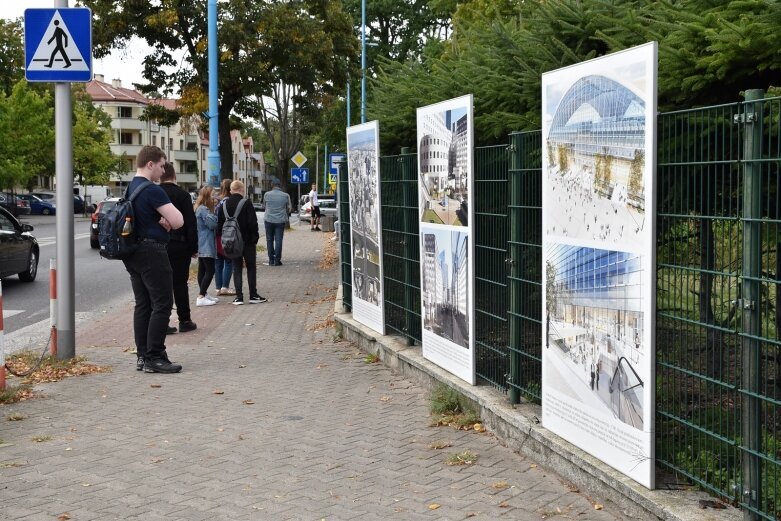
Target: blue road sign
<point>58,44</point>
<point>299,175</point>
<point>332,160</point>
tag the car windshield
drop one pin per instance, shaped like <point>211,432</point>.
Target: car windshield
<point>107,205</point>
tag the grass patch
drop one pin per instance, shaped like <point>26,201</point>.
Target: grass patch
<point>41,438</point>
<point>449,407</point>
<point>466,457</point>
<point>16,417</point>
<point>372,358</point>
<point>51,369</point>
<point>16,393</point>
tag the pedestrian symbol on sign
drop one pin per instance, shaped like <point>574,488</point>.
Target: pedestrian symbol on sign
<point>57,51</point>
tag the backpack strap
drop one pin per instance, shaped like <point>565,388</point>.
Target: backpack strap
<point>236,213</point>
<point>138,190</point>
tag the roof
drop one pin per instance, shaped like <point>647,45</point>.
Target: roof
<point>170,104</point>
<point>102,91</point>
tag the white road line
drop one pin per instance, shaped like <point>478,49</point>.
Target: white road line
<point>48,241</point>
<point>11,312</point>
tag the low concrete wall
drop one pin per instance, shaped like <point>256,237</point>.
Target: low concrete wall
<point>519,428</point>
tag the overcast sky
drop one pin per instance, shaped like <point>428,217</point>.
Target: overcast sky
<point>124,65</point>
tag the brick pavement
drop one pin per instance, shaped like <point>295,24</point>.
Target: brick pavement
<point>302,427</point>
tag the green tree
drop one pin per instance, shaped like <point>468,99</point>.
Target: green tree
<point>27,127</point>
<point>93,161</point>
<point>302,43</point>
<point>11,54</point>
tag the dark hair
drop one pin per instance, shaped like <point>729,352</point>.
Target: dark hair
<point>168,173</point>
<point>149,153</point>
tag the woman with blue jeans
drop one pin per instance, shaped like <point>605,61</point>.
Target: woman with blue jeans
<point>223,266</point>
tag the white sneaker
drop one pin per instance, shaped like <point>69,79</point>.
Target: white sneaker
<point>204,301</point>
<point>214,299</point>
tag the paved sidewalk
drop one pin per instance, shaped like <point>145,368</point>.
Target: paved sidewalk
<point>270,419</point>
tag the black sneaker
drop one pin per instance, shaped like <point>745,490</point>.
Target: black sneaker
<point>187,325</point>
<point>317,229</point>
<point>278,263</point>
<point>238,301</point>
<point>257,299</point>
<point>159,365</point>
<point>140,363</point>
<point>171,330</point>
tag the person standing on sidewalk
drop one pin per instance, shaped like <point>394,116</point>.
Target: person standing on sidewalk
<point>314,204</point>
<point>207,249</point>
<point>248,226</point>
<point>278,209</point>
<point>223,266</point>
<point>182,247</point>
<point>149,267</point>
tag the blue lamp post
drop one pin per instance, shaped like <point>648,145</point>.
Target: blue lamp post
<point>363,61</point>
<point>214,129</point>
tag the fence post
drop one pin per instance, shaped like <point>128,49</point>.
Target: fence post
<point>406,201</point>
<point>750,352</point>
<point>512,259</point>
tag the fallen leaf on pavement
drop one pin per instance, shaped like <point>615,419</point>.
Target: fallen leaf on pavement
<point>385,398</point>
<point>218,391</point>
<point>504,505</point>
<point>248,402</point>
<point>433,506</point>
<point>501,485</point>
<point>64,516</point>
<point>597,506</point>
<point>155,386</point>
<point>242,366</point>
<point>479,427</point>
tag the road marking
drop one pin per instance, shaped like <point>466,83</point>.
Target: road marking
<point>48,241</point>
<point>11,312</point>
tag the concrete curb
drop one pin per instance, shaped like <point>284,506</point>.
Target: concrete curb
<point>519,428</point>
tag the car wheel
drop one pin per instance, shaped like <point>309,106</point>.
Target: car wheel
<point>46,211</point>
<point>32,268</point>
<point>94,244</point>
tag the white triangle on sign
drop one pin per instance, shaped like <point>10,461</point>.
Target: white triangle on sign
<point>57,51</point>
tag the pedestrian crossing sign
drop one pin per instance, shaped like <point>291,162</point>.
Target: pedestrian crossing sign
<point>58,44</point>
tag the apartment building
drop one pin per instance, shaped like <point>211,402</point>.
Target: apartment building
<point>247,165</point>
<point>130,133</point>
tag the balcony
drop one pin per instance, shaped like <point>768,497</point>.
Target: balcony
<point>182,155</point>
<point>128,124</point>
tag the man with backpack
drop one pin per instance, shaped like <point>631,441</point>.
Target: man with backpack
<point>154,216</point>
<point>237,224</point>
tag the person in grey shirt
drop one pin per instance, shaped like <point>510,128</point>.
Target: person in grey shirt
<point>278,209</point>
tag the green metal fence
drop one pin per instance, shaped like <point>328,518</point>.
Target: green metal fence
<point>718,373</point>
<point>525,260</point>
<point>400,245</point>
<point>718,391</point>
<point>490,265</point>
<point>345,252</point>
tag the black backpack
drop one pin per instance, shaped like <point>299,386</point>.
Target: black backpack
<point>232,241</point>
<point>113,243</point>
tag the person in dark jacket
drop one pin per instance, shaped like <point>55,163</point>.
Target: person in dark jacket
<point>248,226</point>
<point>182,247</point>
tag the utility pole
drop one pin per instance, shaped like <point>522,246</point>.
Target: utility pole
<point>214,128</point>
<point>363,61</point>
<point>66,274</point>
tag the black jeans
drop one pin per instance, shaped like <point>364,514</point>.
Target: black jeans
<point>205,274</point>
<point>249,256</point>
<point>180,268</point>
<point>274,234</point>
<point>150,276</point>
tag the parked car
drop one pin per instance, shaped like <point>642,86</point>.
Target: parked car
<point>327,207</point>
<point>94,229</point>
<point>13,204</point>
<point>39,206</point>
<point>19,250</point>
<point>78,201</point>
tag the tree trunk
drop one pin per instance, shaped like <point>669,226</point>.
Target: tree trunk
<point>226,152</point>
<point>714,349</point>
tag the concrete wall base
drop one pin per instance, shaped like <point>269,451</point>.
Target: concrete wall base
<point>519,428</point>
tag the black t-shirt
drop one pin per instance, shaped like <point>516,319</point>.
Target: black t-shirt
<point>145,205</point>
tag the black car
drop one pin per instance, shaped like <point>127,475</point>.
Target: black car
<point>14,205</point>
<point>18,249</point>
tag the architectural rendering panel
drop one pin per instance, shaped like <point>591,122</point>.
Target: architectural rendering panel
<point>363,177</point>
<point>445,141</point>
<point>599,258</point>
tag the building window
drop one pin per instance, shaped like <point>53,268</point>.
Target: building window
<point>125,112</point>
<point>125,138</point>
<point>181,144</point>
<point>203,154</point>
<point>154,141</point>
<point>170,143</point>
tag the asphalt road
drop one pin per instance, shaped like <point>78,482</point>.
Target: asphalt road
<point>99,282</point>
